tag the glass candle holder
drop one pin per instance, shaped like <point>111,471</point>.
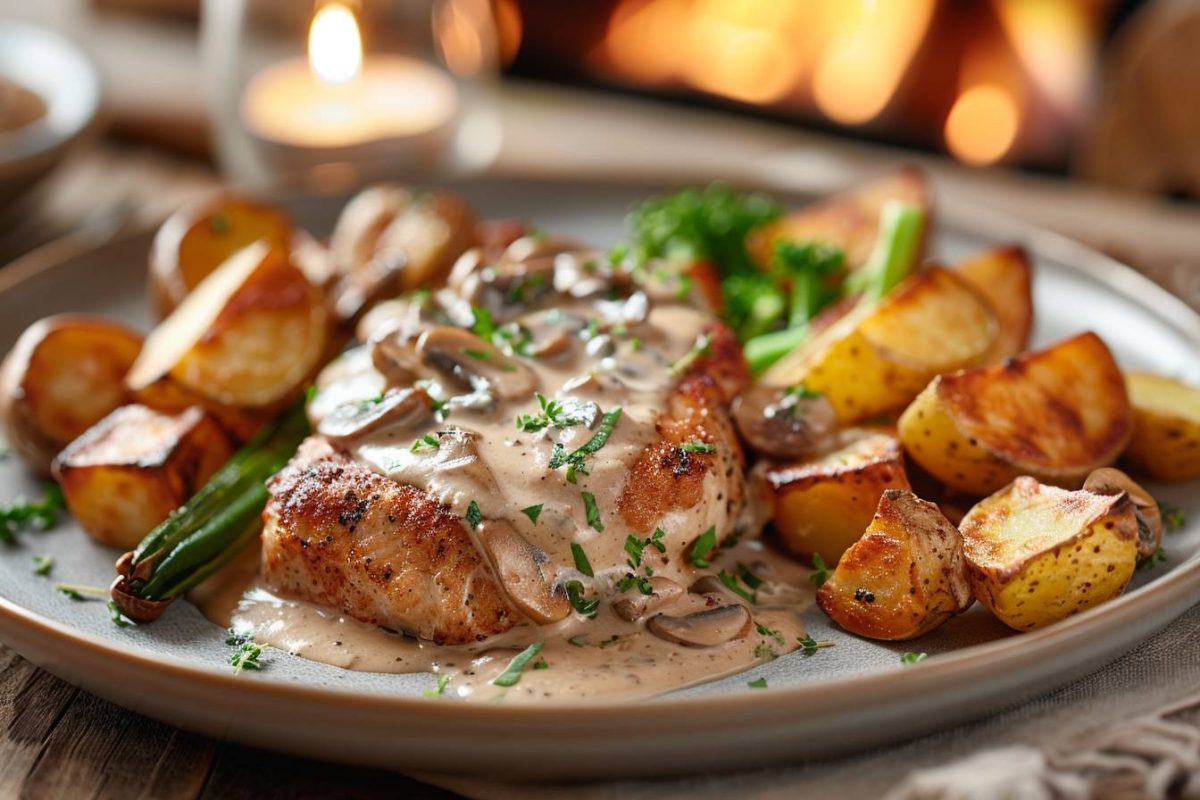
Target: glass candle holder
<point>358,89</point>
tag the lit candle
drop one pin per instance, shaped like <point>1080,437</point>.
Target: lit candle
<point>336,99</point>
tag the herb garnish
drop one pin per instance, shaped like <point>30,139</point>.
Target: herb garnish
<point>633,548</point>
<point>758,683</point>
<point>763,630</point>
<point>581,560</point>
<point>1172,516</point>
<point>821,572</point>
<point>541,663</point>
<point>428,440</point>
<point>697,447</point>
<point>36,514</point>
<point>630,581</point>
<point>704,545</point>
<point>700,349</point>
<point>246,654</point>
<point>592,511</point>
<point>533,512</point>
<point>474,515</point>
<point>731,583</point>
<point>1153,560</point>
<point>42,565</point>
<point>764,652</point>
<point>575,594</point>
<point>443,680</point>
<point>114,613</point>
<point>81,593</point>
<point>575,460</point>
<point>551,413</point>
<point>809,646</point>
<point>912,658</point>
<point>478,355</point>
<point>512,673</point>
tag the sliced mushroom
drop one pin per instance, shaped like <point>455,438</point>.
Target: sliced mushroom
<point>475,363</point>
<point>549,343</point>
<point>786,423</point>
<point>582,273</point>
<point>396,407</point>
<point>399,314</point>
<point>1109,481</point>
<point>394,355</point>
<point>526,572</point>
<point>633,607</point>
<point>703,628</point>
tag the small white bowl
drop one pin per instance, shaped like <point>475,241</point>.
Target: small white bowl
<point>66,81</point>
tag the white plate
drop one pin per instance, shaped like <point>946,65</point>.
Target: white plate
<point>850,696</point>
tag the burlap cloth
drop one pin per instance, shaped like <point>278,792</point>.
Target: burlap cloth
<point>1129,730</point>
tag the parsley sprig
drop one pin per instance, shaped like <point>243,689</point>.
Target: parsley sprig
<point>576,460</point>
<point>512,673</point>
<point>38,515</point>
<point>551,413</point>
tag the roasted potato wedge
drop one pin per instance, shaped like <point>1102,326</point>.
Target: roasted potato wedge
<point>199,238</point>
<point>1056,414</point>
<point>848,220</point>
<point>1166,427</point>
<point>248,336</point>
<point>1003,277</point>
<point>389,239</point>
<point>1037,554</point>
<point>170,397</point>
<point>822,506</point>
<point>878,358</point>
<point>904,577</point>
<point>61,377</point>
<point>134,467</point>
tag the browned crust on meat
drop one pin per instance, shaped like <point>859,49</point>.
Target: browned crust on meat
<point>339,534</point>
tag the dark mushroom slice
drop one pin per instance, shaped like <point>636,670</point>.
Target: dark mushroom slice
<point>785,424</point>
<point>526,572</point>
<point>633,607</point>
<point>395,356</point>
<point>474,363</point>
<point>396,407</point>
<point>704,628</point>
<point>1110,481</point>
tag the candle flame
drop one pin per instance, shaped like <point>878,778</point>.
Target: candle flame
<point>334,45</point>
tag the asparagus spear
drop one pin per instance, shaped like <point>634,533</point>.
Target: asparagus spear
<point>203,535</point>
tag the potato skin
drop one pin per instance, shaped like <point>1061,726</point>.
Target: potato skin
<point>1037,554</point>
<point>1056,414</point>
<point>197,239</point>
<point>63,374</point>
<point>1004,277</point>
<point>848,220</point>
<point>877,359</point>
<point>822,506</point>
<point>904,577</point>
<point>1166,427</point>
<point>170,397</point>
<point>249,336</point>
<point>134,467</point>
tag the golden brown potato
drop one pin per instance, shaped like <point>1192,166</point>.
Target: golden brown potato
<point>878,358</point>
<point>848,220</point>
<point>63,374</point>
<point>1003,277</point>
<point>1037,554</point>
<point>1166,427</point>
<point>904,577</point>
<point>170,397</point>
<point>822,506</point>
<point>1056,414</point>
<point>134,467</point>
<point>250,335</point>
<point>197,239</point>
<point>390,239</point>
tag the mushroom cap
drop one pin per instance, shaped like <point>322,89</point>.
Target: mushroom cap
<point>784,423</point>
<point>1111,481</point>
<point>707,628</point>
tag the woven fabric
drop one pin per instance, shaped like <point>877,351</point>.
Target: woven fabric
<point>1129,730</point>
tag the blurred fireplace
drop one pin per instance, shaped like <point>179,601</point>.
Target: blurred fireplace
<point>989,82</point>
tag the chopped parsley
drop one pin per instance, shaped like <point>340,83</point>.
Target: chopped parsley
<point>512,673</point>
<point>703,546</point>
<point>114,613</point>
<point>428,440</point>
<point>592,511</point>
<point>757,683</point>
<point>764,652</point>
<point>732,584</point>
<point>1172,516</point>
<point>42,565</point>
<point>763,630</point>
<point>541,663</point>
<point>912,658</point>
<point>533,512</point>
<point>551,413</point>
<point>581,560</point>
<point>246,655</point>
<point>439,689</point>
<point>575,460</point>
<point>809,646</point>
<point>697,447</point>
<point>81,593</point>
<point>478,355</point>
<point>36,514</point>
<point>634,548</point>
<point>656,540</point>
<point>630,581</point>
<point>474,515</point>
<point>820,573</point>
<point>582,604</point>
<point>1153,560</point>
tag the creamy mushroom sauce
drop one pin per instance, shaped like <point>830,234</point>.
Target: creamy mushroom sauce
<point>606,346</point>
